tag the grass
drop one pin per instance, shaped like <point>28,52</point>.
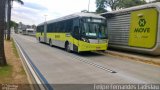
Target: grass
<point>5,71</point>
<point>17,55</point>
<point>13,72</point>
<point>23,71</point>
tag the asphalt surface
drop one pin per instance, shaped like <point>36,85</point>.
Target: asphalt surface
<point>60,67</point>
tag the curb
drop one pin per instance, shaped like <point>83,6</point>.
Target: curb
<point>33,77</point>
<point>130,56</point>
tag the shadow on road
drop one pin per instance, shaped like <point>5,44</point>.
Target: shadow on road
<point>88,54</point>
<point>84,54</point>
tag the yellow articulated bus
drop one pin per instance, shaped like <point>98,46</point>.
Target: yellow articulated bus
<point>77,32</point>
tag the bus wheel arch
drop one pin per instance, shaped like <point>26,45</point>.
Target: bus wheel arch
<point>50,42</point>
<point>67,46</point>
<point>39,39</point>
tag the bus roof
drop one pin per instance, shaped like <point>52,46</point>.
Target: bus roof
<point>145,6</point>
<point>75,15</point>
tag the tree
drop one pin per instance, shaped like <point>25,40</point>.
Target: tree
<point>15,25</point>
<point>100,4</point>
<point>113,4</point>
<point>10,4</point>
<point>118,4</point>
<point>155,1</point>
<point>2,28</point>
<point>85,11</point>
<point>130,3</point>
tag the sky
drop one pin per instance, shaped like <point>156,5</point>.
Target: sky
<point>35,11</point>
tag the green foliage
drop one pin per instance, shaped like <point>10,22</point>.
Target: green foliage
<point>117,4</point>
<point>113,4</point>
<point>85,11</point>
<point>130,3</point>
<point>101,10</point>
<point>15,25</point>
<point>100,4</point>
<point>155,1</point>
<point>5,71</point>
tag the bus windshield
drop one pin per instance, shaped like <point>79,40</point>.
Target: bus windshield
<point>94,30</point>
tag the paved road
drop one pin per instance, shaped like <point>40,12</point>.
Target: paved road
<point>61,67</point>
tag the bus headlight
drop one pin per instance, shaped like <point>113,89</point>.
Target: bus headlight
<point>85,40</point>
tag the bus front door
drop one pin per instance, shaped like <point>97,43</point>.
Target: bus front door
<point>76,35</point>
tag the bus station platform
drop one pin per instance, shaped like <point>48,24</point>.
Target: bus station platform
<point>150,59</point>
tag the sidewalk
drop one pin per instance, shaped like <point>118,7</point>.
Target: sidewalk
<point>134,56</point>
<point>13,74</point>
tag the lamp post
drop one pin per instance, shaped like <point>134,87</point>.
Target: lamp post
<point>45,29</point>
<point>88,5</point>
<point>45,17</point>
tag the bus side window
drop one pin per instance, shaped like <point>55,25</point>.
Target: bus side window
<point>68,26</point>
<point>54,27</point>
<point>41,29</point>
<point>75,32</point>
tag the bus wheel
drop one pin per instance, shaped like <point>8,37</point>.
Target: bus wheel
<point>39,39</point>
<point>67,48</point>
<point>103,50</point>
<point>50,43</point>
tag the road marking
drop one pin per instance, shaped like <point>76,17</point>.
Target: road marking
<point>85,60</point>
